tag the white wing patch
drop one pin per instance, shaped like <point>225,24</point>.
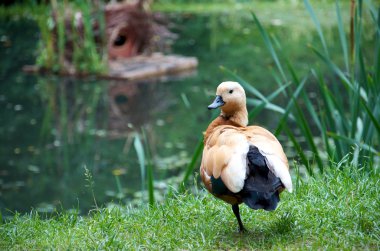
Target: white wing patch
<point>234,174</point>
<point>279,169</point>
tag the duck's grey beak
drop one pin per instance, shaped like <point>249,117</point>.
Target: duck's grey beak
<point>218,102</point>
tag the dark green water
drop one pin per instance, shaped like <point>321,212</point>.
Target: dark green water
<point>52,128</point>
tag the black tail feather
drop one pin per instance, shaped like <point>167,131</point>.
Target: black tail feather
<point>261,187</point>
<point>258,200</point>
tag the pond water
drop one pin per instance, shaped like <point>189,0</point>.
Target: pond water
<point>52,129</point>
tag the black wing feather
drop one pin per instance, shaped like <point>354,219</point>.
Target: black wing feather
<point>261,187</point>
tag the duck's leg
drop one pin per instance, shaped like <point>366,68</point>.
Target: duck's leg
<point>235,209</point>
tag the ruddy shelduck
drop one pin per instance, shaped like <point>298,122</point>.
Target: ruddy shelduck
<point>242,163</point>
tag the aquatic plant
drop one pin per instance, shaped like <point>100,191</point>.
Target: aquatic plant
<point>146,164</point>
<point>68,40</point>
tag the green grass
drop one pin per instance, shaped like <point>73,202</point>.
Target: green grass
<point>338,210</point>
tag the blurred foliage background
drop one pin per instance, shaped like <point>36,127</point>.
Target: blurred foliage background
<point>75,143</point>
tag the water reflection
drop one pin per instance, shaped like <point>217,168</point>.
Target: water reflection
<point>80,124</point>
<point>133,104</point>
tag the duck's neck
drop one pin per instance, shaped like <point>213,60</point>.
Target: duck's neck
<point>238,119</point>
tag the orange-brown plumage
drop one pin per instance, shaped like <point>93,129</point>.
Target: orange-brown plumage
<point>242,163</point>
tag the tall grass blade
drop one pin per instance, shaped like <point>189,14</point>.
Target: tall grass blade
<point>141,157</point>
<point>300,118</point>
<point>362,76</point>
<point>269,45</point>
<point>304,96</point>
<point>372,116</point>
<point>278,45</point>
<point>328,113</point>
<point>335,68</point>
<point>355,105</point>
<point>290,106</point>
<point>330,153</point>
<point>185,100</point>
<point>279,82</point>
<point>191,166</point>
<point>358,136</point>
<point>377,61</point>
<point>353,141</point>
<point>305,127</point>
<point>299,150</point>
<point>342,36</point>
<point>267,105</point>
<point>90,183</point>
<point>376,20</point>
<point>150,178</point>
<point>317,25</point>
<point>253,113</point>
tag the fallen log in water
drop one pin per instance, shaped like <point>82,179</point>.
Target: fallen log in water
<point>155,66</point>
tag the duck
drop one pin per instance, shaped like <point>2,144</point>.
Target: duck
<point>241,163</point>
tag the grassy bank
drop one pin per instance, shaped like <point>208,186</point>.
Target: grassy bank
<point>338,210</point>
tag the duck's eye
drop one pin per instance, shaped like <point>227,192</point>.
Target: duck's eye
<point>231,91</point>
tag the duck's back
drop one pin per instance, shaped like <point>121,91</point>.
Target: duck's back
<point>247,162</point>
